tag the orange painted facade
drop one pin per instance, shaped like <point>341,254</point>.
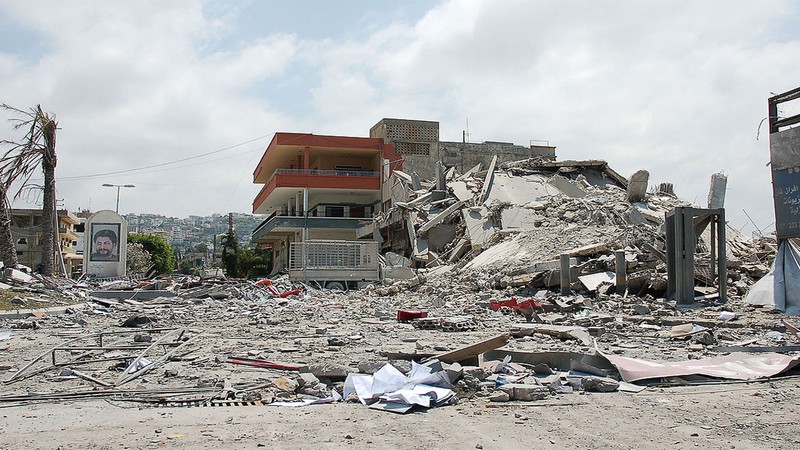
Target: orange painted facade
<point>316,182</point>
<point>321,163</point>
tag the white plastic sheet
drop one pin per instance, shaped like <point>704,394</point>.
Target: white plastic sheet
<point>780,288</point>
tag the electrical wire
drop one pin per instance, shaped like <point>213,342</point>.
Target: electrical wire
<point>183,166</point>
<point>84,177</point>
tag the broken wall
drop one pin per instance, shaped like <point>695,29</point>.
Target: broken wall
<point>463,155</point>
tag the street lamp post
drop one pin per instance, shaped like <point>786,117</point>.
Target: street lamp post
<point>118,186</point>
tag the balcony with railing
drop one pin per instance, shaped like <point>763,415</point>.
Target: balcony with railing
<point>317,218</point>
<point>351,180</point>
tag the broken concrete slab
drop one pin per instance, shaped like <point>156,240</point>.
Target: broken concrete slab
<point>458,251</point>
<point>596,279</point>
<point>591,249</point>
<point>138,294</point>
<point>17,276</point>
<point>473,350</point>
<point>519,190</point>
<point>461,191</point>
<point>563,361</point>
<point>502,253</point>
<point>554,264</point>
<point>655,216</point>
<point>441,217</point>
<point>637,186</point>
<point>560,331</point>
<point>525,392</point>
<point>480,226</point>
<point>566,187</point>
<point>517,218</point>
<point>487,181</point>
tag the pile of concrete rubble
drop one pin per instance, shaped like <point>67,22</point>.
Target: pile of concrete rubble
<point>508,227</point>
<point>481,319</point>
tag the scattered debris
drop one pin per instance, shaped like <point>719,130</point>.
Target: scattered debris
<point>475,314</point>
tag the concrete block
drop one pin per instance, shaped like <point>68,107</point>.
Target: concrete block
<point>637,185</point>
<point>600,384</point>
<point>17,275</point>
<point>330,371</point>
<point>307,380</point>
<point>286,384</point>
<point>716,192</point>
<point>525,392</point>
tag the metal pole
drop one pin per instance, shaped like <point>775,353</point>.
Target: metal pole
<point>565,275</point>
<point>117,208</point>
<point>621,272</point>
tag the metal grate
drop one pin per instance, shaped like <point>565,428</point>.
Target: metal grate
<point>332,255</point>
<point>412,148</point>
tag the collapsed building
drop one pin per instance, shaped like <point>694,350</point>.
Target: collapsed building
<point>502,278</point>
<point>508,213</point>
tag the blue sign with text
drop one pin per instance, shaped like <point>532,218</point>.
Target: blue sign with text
<point>786,191</point>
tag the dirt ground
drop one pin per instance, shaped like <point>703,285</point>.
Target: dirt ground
<point>743,416</point>
<point>357,331</point>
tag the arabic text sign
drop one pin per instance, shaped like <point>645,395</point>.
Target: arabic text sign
<point>786,190</point>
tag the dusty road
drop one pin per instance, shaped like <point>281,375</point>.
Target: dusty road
<point>754,415</point>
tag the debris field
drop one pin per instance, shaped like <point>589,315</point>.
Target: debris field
<point>479,323</point>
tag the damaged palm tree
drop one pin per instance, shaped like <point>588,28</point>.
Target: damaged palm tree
<point>7,251</point>
<point>19,163</point>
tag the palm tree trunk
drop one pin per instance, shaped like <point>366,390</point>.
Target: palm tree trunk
<point>8,252</point>
<point>49,198</point>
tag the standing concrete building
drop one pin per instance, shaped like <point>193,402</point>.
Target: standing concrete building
<point>318,187</point>
<point>26,229</point>
<point>417,141</point>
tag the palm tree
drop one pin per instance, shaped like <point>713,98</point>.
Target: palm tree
<point>7,251</point>
<point>19,163</point>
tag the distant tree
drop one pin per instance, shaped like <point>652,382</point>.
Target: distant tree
<point>230,251</point>
<point>138,260</point>
<point>186,267</point>
<point>20,162</point>
<point>254,262</point>
<point>159,249</point>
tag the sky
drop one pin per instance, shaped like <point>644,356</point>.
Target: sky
<point>181,98</point>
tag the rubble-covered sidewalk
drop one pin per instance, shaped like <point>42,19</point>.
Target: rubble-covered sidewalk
<point>478,320</point>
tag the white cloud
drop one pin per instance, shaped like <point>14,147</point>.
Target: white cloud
<point>674,88</point>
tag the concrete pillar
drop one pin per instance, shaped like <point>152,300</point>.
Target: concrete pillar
<point>440,177</point>
<point>305,202</point>
<point>716,192</point>
<point>621,271</point>
<point>637,186</point>
<point>565,274</point>
<point>416,184</point>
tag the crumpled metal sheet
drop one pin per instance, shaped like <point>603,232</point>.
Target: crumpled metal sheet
<point>736,366</point>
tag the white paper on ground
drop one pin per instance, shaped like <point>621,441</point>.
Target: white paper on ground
<point>390,384</point>
<point>420,394</point>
